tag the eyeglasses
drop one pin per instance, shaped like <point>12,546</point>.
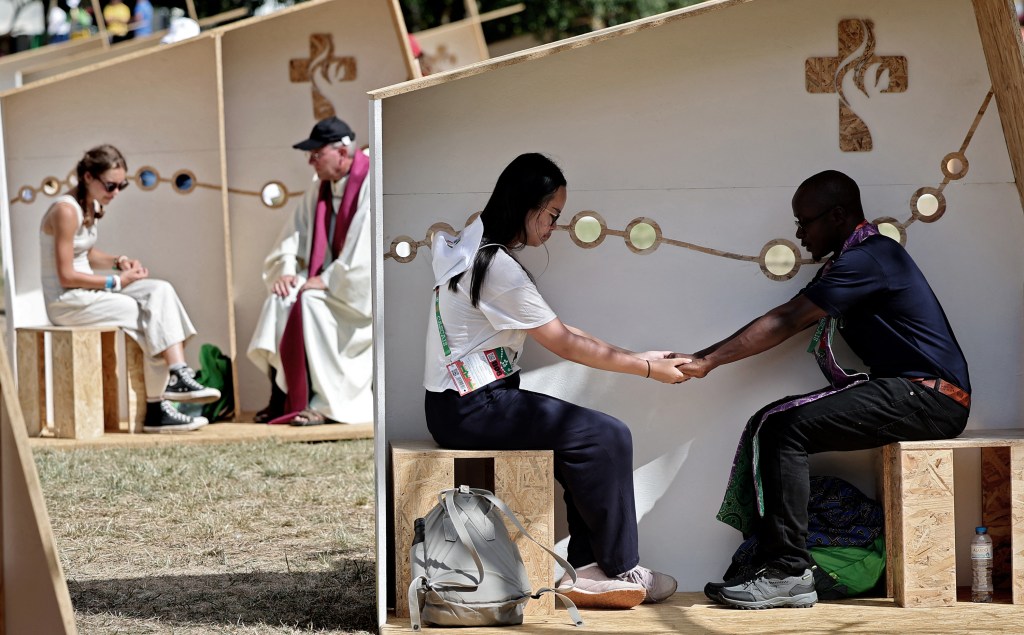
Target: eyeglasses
<point>110,187</point>
<point>554,215</point>
<point>802,224</point>
<point>316,154</point>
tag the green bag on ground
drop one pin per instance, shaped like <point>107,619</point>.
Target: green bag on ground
<point>854,570</point>
<point>215,372</point>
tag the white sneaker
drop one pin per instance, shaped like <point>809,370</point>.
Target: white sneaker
<point>659,586</point>
<point>595,590</point>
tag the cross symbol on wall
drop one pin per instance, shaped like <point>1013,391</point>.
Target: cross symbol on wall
<point>856,55</point>
<point>322,68</point>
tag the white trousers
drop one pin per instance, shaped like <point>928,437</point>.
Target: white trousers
<point>339,352</point>
<point>148,310</point>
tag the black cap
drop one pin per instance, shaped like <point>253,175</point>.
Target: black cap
<point>326,131</point>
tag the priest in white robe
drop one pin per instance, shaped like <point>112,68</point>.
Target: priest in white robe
<point>314,334</point>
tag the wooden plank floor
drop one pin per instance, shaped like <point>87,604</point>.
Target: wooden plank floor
<point>693,614</point>
<point>216,433</point>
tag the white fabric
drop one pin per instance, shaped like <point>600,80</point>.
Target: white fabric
<point>337,322</point>
<point>148,310</point>
<point>509,305</point>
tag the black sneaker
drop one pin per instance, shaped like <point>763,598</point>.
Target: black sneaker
<point>713,589</point>
<point>182,386</point>
<point>162,416</point>
<point>771,588</point>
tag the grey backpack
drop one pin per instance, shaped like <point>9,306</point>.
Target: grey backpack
<point>466,571</point>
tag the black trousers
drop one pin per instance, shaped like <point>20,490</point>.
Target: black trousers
<point>868,415</point>
<point>593,457</point>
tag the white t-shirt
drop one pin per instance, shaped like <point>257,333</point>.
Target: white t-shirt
<point>509,304</point>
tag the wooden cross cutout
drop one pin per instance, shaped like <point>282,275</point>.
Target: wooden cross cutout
<point>322,67</point>
<point>856,55</point>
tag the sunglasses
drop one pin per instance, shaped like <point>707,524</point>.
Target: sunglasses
<point>110,187</point>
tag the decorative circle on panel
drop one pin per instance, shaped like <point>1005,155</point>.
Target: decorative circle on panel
<point>928,204</point>
<point>403,249</point>
<point>274,194</point>
<point>642,235</point>
<point>184,181</point>
<point>51,186</point>
<point>954,166</point>
<point>72,179</point>
<point>892,228</point>
<point>779,259</point>
<point>147,178</point>
<point>587,229</point>
<point>27,194</point>
<point>438,227</point>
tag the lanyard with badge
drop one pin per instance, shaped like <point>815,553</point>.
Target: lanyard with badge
<point>474,370</point>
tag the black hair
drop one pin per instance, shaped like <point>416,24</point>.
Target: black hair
<point>526,184</point>
<point>832,188</point>
<point>95,162</point>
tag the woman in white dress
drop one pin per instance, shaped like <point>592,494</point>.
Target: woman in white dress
<point>148,310</point>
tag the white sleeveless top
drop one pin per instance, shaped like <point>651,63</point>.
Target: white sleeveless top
<point>85,238</point>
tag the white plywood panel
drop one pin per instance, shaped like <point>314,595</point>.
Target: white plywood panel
<point>705,126</point>
<point>266,112</point>
<point>160,110</point>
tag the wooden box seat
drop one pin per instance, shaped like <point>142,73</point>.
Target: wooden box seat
<point>523,479</point>
<point>85,375</point>
<point>918,491</point>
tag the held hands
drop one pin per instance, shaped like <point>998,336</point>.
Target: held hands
<point>664,366</point>
<point>132,271</point>
<point>695,367</point>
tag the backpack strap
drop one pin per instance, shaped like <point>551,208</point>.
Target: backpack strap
<point>569,605</point>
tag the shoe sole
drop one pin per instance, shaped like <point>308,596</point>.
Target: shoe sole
<point>171,429</point>
<point>618,599</point>
<point>802,601</point>
<point>189,397</point>
<point>650,599</point>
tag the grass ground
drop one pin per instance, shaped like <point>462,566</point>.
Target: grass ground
<point>243,538</point>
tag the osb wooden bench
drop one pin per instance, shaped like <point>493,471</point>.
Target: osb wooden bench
<point>85,376</point>
<point>523,479</point>
<point>918,490</point>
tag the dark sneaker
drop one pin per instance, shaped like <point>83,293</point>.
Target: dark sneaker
<point>712,589</point>
<point>770,588</point>
<point>659,586</point>
<point>182,386</point>
<point>164,417</point>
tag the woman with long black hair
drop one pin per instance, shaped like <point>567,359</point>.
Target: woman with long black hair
<point>483,307</point>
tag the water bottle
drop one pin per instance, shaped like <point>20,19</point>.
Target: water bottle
<point>981,566</point>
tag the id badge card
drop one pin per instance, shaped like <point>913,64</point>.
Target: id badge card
<point>479,369</point>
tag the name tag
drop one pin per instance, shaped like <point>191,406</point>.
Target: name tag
<point>479,369</point>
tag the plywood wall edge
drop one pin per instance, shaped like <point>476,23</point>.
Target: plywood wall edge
<point>16,422</point>
<point>555,47</point>
<point>412,69</point>
<point>1001,41</point>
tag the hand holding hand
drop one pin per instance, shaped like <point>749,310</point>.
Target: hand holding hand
<point>283,286</point>
<point>665,371</point>
<point>698,367</point>
<point>653,355</point>
<point>316,282</point>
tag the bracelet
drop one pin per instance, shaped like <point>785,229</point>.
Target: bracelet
<point>648,368</point>
<point>109,283</point>
<point>117,261</point>
<point>117,284</point>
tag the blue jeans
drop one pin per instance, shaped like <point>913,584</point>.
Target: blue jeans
<point>868,415</point>
<point>593,456</point>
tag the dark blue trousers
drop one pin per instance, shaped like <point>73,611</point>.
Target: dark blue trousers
<point>868,415</point>
<point>593,455</point>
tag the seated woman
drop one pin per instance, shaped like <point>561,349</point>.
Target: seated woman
<point>477,328</point>
<point>148,310</point>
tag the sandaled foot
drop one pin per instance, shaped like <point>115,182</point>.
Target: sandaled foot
<point>309,417</point>
<point>267,414</point>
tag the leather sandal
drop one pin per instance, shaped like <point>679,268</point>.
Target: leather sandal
<point>309,417</point>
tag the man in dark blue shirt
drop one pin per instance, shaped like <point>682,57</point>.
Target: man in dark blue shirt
<point>918,387</point>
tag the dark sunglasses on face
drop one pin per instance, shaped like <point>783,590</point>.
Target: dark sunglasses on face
<point>110,187</point>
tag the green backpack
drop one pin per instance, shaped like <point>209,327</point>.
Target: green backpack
<point>215,372</point>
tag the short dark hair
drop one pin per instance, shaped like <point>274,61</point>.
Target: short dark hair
<point>526,184</point>
<point>831,188</point>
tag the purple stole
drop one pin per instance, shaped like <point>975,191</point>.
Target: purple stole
<point>292,347</point>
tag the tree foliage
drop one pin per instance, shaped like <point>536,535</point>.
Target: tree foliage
<point>547,20</point>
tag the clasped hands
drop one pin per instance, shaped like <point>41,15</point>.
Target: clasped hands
<point>284,285</point>
<point>674,368</point>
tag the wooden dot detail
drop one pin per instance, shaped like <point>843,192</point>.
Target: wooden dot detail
<point>403,240</point>
<point>770,247</point>
<point>919,200</point>
<point>628,235</point>
<point>573,227</point>
<point>889,225</point>
<point>954,166</point>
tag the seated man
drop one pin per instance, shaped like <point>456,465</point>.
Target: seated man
<point>314,334</point>
<point>918,387</point>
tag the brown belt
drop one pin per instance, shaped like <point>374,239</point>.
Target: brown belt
<point>955,393</point>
